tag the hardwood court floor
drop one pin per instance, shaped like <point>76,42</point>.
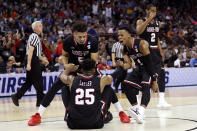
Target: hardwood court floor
<point>180,117</point>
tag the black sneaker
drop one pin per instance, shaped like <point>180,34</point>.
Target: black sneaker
<point>108,117</point>
<point>15,100</point>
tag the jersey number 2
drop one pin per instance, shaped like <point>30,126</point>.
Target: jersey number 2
<point>152,37</point>
<point>84,96</point>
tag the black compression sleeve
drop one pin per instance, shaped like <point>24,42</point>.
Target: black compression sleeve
<point>149,66</point>
<point>117,72</point>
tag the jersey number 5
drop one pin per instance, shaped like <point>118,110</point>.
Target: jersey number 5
<point>152,37</point>
<point>84,96</point>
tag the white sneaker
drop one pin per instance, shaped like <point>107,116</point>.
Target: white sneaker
<point>134,113</point>
<point>163,105</point>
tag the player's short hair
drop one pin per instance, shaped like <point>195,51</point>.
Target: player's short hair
<point>88,64</point>
<point>149,6</point>
<point>131,30</point>
<point>79,26</point>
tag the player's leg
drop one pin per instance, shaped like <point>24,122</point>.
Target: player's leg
<point>65,99</point>
<point>161,82</point>
<point>106,99</point>
<point>123,117</point>
<point>36,119</point>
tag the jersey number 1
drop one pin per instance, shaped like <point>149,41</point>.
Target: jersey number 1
<point>84,96</point>
<point>152,37</point>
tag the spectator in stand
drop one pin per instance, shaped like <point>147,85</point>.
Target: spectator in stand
<point>58,51</point>
<point>109,61</point>
<point>193,61</point>
<point>12,65</point>
<point>2,66</point>
<point>178,62</point>
<point>103,66</point>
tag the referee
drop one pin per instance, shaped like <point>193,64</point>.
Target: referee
<point>32,60</point>
<point>117,54</point>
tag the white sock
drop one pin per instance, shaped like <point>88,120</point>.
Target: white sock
<point>41,110</point>
<point>142,110</point>
<point>161,96</point>
<point>118,106</point>
<point>137,96</point>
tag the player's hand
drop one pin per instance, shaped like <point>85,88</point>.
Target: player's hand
<point>119,63</point>
<point>126,66</point>
<point>152,15</point>
<point>46,62</point>
<point>155,87</point>
<point>28,67</point>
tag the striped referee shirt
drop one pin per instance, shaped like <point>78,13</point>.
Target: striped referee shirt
<point>118,49</point>
<point>34,40</point>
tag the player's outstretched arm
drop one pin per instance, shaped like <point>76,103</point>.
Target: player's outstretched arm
<point>65,77</point>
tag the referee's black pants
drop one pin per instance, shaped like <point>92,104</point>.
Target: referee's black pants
<point>33,77</point>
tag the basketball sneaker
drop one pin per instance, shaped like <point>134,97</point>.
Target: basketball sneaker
<point>35,120</point>
<point>123,117</point>
<point>15,100</point>
<point>163,104</point>
<point>135,113</point>
<point>108,117</point>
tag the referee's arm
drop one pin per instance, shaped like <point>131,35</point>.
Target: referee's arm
<point>30,53</point>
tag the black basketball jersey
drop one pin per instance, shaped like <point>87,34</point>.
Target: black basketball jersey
<point>85,104</point>
<point>78,52</point>
<point>151,34</point>
<point>134,52</point>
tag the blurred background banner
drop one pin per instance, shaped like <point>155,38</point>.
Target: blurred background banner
<point>10,83</point>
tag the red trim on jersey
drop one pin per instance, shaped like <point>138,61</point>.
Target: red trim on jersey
<point>147,83</point>
<point>132,83</point>
<point>154,48</point>
<point>102,108</point>
<point>87,77</point>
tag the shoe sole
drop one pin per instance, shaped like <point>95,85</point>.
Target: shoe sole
<point>133,114</point>
<point>33,125</point>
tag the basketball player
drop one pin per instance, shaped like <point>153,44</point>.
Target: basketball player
<point>76,48</point>
<point>90,98</point>
<point>148,29</point>
<point>142,76</point>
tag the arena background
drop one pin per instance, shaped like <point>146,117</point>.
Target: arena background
<point>178,34</point>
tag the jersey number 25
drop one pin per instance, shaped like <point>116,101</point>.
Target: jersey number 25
<point>84,96</point>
